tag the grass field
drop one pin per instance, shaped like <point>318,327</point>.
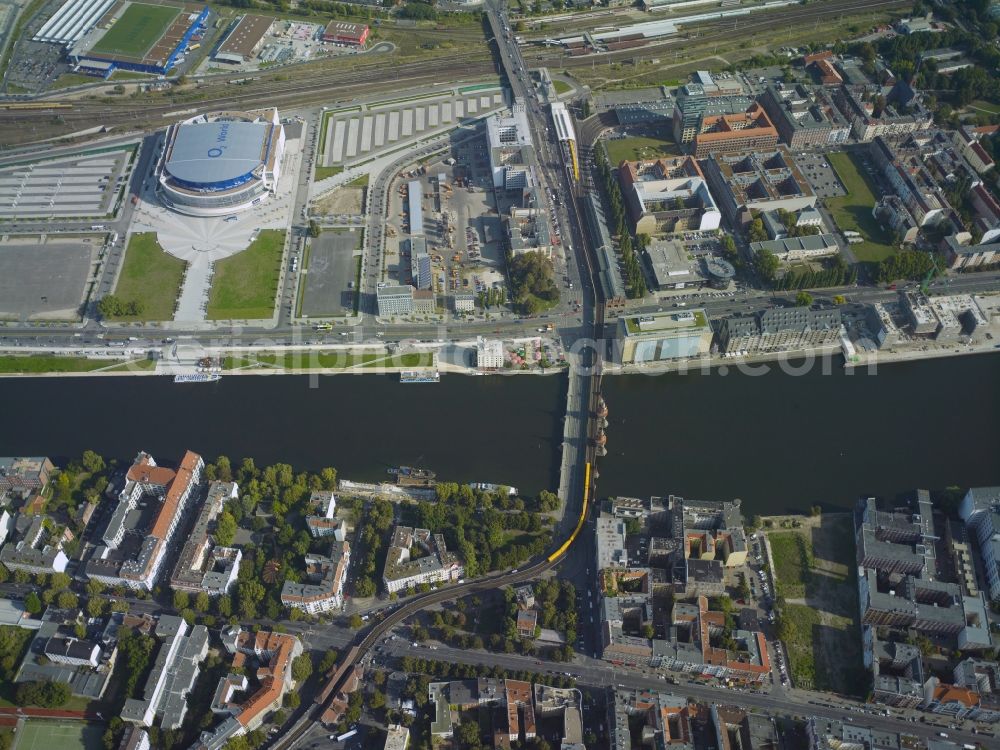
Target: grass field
<point>981,105</point>
<point>639,147</point>
<point>813,571</point>
<point>137,30</point>
<point>245,285</point>
<point>854,210</point>
<point>152,276</point>
<point>65,735</point>
<point>562,87</point>
<point>323,172</point>
<point>337,360</point>
<point>17,364</point>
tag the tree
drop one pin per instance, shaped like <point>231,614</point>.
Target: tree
<point>202,602</point>
<point>67,600</point>
<point>803,299</point>
<point>250,595</point>
<point>225,529</point>
<point>44,694</point>
<point>224,606</point>
<point>839,299</point>
<point>32,604</point>
<point>815,511</point>
<point>328,661</point>
<point>302,667</point>
<point>468,733</point>
<point>92,462</point>
<point>354,621</point>
<point>377,699</point>
<point>181,600</point>
<point>314,229</point>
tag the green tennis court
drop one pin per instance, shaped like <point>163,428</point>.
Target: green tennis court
<point>39,734</point>
<point>138,29</point>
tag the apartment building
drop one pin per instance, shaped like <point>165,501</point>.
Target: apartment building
<point>323,590</point>
<point>268,657</point>
<point>436,565</point>
<point>780,329</point>
<point>201,565</point>
<point>36,552</point>
<point>24,475</point>
<point>911,181</point>
<point>858,105</point>
<point>324,521</point>
<point>133,555</point>
<point>172,677</point>
<point>980,509</point>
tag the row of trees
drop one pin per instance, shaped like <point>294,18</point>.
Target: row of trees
<point>635,282</point>
<point>836,273</point>
<point>906,264</point>
<point>113,306</point>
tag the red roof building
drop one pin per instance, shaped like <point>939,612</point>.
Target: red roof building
<point>353,34</point>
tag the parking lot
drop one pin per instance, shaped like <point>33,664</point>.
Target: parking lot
<point>46,280</point>
<point>329,287</point>
<point>820,174</point>
<point>84,185</point>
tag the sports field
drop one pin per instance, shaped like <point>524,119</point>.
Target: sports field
<point>38,734</point>
<point>138,29</point>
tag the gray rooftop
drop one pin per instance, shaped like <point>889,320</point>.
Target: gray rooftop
<point>217,151</point>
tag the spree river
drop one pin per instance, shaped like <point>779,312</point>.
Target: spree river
<point>784,443</point>
<point>778,442</point>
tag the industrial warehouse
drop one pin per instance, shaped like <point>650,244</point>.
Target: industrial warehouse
<point>217,164</point>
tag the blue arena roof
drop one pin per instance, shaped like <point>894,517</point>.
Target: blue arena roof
<point>217,154</point>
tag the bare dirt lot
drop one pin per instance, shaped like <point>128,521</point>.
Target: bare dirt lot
<point>344,200</point>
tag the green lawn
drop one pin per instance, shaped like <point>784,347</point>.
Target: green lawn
<point>38,734</point>
<point>323,172</point>
<point>361,181</point>
<point>245,284</point>
<point>854,210</point>
<point>639,147</point>
<point>337,360</point>
<point>981,105</point>
<point>139,27</point>
<point>40,363</point>
<point>562,87</point>
<point>152,276</point>
<point>791,563</point>
<point>72,79</point>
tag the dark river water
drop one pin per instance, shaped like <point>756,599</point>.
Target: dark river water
<point>778,442</point>
<point>784,443</point>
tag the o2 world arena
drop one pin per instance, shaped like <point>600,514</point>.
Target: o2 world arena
<point>222,163</point>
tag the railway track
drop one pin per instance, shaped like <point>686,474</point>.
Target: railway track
<point>765,20</point>
<point>315,87</point>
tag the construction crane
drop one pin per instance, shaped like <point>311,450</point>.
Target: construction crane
<point>930,274</point>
